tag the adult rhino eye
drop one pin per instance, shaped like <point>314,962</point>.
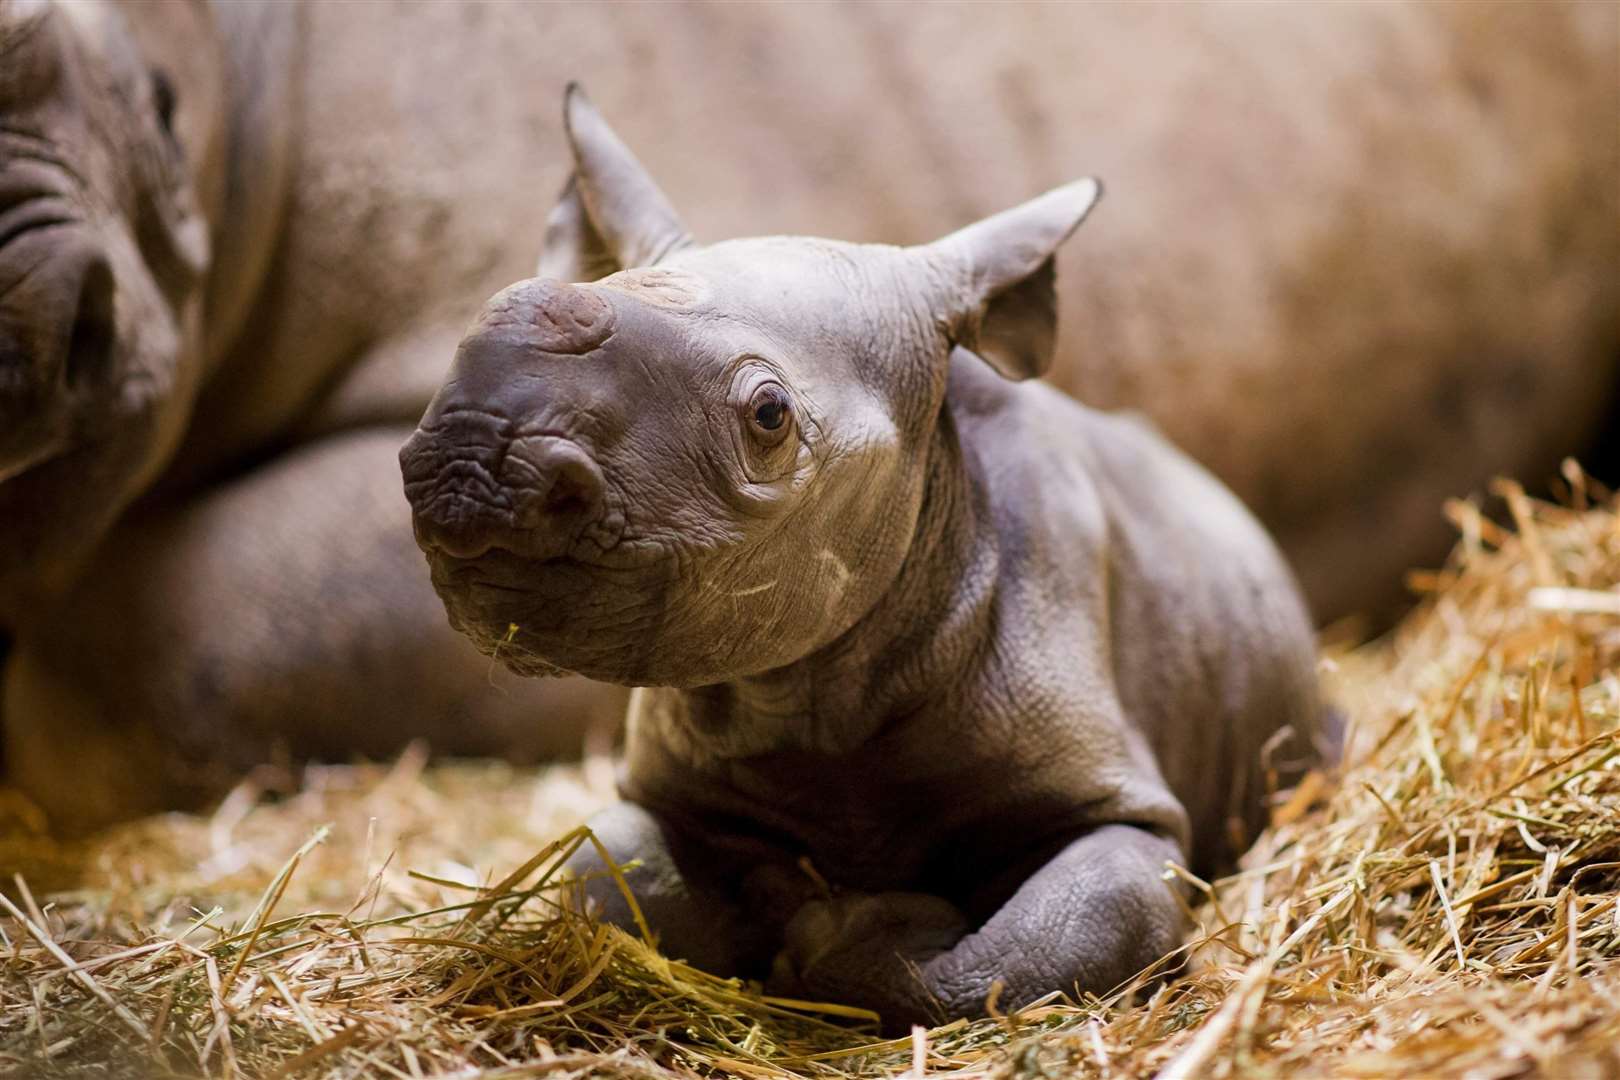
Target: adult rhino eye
<point>769,410</point>
<point>163,101</point>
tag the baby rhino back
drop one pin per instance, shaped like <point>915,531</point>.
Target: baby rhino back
<point>1214,654</point>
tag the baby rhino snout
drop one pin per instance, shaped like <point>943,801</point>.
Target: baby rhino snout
<point>533,496</point>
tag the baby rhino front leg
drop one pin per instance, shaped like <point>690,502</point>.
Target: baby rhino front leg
<point>870,950</point>
<point>686,890</point>
<point>1090,918</point>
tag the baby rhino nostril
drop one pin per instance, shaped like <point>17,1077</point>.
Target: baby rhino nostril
<point>558,487</point>
<point>561,502</point>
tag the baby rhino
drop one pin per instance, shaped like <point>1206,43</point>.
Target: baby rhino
<point>940,669</point>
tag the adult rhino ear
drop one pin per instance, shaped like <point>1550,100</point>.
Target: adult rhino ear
<point>998,300</point>
<point>611,216</point>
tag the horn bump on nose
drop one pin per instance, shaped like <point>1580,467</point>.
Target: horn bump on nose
<point>552,316</point>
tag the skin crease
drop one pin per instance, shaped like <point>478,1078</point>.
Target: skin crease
<point>987,658</point>
<point>1358,260</point>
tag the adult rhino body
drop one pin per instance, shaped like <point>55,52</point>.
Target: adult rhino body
<point>204,558</point>
<point>1355,263</point>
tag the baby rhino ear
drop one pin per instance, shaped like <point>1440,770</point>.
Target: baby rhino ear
<point>998,299</point>
<point>611,215</point>
<point>572,249</point>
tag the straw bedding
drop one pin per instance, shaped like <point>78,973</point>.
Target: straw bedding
<point>1445,906</point>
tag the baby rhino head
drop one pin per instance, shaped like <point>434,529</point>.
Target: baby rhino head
<point>709,462</point>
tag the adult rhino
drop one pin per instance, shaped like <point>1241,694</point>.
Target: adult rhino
<point>1354,260</point>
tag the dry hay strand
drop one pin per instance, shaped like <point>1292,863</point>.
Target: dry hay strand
<point>1446,905</point>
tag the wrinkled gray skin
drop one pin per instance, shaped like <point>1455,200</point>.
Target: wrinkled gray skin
<point>1361,258</point>
<point>988,658</point>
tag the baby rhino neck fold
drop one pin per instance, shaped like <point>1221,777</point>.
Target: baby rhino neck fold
<point>911,646</point>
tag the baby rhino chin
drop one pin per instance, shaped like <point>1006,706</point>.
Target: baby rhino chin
<point>545,616</point>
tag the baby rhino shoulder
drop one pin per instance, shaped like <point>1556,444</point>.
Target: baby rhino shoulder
<point>1141,560</point>
<point>1110,483</point>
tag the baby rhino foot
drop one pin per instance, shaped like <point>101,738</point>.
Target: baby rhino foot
<point>868,950</point>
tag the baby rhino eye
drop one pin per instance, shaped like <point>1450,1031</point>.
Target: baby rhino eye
<point>768,411</point>
<point>770,414</point>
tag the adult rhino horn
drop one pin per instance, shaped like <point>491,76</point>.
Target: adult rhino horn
<point>611,215</point>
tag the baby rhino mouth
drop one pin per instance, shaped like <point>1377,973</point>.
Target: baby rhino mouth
<point>510,606</point>
<point>543,617</point>
<point>505,583</point>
